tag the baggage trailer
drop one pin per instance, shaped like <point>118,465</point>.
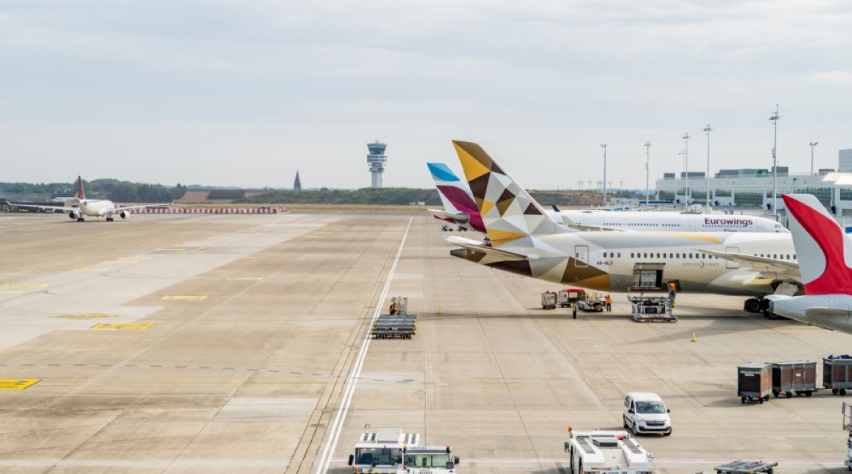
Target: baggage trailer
<point>593,303</point>
<point>548,300</point>
<point>837,374</point>
<point>746,467</point>
<point>754,382</point>
<point>847,426</point>
<point>569,296</point>
<point>652,309</point>
<point>790,378</point>
<point>607,451</point>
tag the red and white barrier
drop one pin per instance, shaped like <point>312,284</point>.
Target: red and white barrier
<point>208,210</point>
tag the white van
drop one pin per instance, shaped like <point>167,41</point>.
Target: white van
<point>645,412</point>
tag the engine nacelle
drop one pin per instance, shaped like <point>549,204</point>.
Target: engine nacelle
<point>125,214</point>
<point>74,214</point>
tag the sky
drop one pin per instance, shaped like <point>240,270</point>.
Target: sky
<point>245,92</point>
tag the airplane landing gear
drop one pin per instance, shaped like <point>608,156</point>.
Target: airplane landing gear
<point>753,305</point>
<point>110,219</point>
<point>81,219</point>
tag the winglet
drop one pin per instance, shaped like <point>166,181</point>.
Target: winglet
<point>822,248</point>
<point>555,208</point>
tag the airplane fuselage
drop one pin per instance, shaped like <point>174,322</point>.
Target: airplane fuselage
<point>667,221</point>
<point>807,309</point>
<point>96,208</point>
<point>605,261</point>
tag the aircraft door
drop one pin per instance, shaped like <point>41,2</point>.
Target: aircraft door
<point>731,264</point>
<point>581,255</point>
<point>691,224</point>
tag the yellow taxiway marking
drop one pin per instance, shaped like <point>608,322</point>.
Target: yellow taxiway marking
<point>88,269</point>
<point>169,250</point>
<point>244,278</point>
<point>16,384</point>
<point>122,326</point>
<point>10,292</point>
<point>198,278</point>
<point>89,316</point>
<point>22,285</point>
<point>185,298</point>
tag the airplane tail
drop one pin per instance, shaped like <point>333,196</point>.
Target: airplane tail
<point>822,248</point>
<point>81,193</point>
<point>455,196</point>
<point>508,212</point>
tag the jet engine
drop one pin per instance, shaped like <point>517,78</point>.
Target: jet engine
<point>74,214</point>
<point>125,214</point>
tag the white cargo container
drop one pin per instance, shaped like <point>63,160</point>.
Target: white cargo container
<point>601,452</point>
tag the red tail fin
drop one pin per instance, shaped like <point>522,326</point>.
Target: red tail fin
<point>81,193</point>
<point>821,246</point>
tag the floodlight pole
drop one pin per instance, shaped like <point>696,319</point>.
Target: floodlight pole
<point>812,144</point>
<point>774,119</point>
<point>603,145</point>
<point>647,171</point>
<point>707,129</point>
<point>686,158</point>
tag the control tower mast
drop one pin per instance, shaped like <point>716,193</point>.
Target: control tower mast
<point>377,160</point>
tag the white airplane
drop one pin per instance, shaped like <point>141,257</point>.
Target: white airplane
<point>524,239</point>
<point>460,208</point>
<point>90,207</point>
<point>825,255</point>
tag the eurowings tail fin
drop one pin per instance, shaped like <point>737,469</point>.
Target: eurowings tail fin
<point>455,195</point>
<point>81,193</point>
<point>508,212</point>
<point>822,248</point>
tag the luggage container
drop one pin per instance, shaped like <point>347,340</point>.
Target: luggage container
<point>790,378</point>
<point>652,309</point>
<point>754,382</point>
<point>548,300</point>
<point>837,373</point>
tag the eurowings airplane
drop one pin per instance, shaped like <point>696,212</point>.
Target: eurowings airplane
<point>91,207</point>
<point>460,208</point>
<point>524,239</point>
<point>826,255</point>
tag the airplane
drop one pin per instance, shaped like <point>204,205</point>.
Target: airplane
<point>525,240</point>
<point>90,207</point>
<point>460,208</point>
<point>826,254</point>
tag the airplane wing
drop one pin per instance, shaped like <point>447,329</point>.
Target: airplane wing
<point>458,218</point>
<point>827,312</point>
<point>772,266</point>
<point>477,246</point>
<point>134,208</point>
<point>33,206</point>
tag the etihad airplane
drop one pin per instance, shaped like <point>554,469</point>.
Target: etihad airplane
<point>460,208</point>
<point>90,207</point>
<point>524,239</point>
<point>826,255</point>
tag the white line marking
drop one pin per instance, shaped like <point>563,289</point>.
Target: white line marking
<point>349,390</point>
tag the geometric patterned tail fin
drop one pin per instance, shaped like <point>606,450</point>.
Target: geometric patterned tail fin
<point>822,248</point>
<point>508,212</point>
<point>81,193</point>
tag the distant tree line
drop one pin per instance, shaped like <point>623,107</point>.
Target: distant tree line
<point>381,196</point>
<point>113,189</point>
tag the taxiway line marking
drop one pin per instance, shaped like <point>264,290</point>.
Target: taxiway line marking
<point>337,426</point>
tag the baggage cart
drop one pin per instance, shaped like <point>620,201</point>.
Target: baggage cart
<point>797,378</point>
<point>754,382</point>
<point>847,426</point>
<point>837,373</point>
<point>548,300</point>
<point>569,296</point>
<point>743,466</point>
<point>593,303</point>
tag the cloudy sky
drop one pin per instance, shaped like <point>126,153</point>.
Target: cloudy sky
<point>244,92</point>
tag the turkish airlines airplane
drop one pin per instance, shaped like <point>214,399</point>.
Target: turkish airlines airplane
<point>524,239</point>
<point>460,208</point>
<point>825,254</point>
<point>91,207</point>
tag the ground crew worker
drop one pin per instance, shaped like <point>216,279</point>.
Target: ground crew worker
<point>608,304</point>
<point>574,310</point>
<point>672,292</point>
<point>393,308</point>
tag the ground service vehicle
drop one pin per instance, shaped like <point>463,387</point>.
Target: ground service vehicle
<point>429,460</point>
<point>607,452</point>
<point>645,412</point>
<point>548,300</point>
<point>382,451</point>
<point>569,296</point>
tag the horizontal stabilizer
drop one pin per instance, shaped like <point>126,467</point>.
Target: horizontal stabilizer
<point>478,246</point>
<point>456,217</point>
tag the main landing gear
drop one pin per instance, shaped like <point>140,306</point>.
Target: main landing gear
<point>81,219</point>
<point>110,219</point>
<point>760,305</point>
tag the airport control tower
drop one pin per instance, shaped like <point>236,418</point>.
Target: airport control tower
<point>377,159</point>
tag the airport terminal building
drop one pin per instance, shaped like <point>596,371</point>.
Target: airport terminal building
<point>752,188</point>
